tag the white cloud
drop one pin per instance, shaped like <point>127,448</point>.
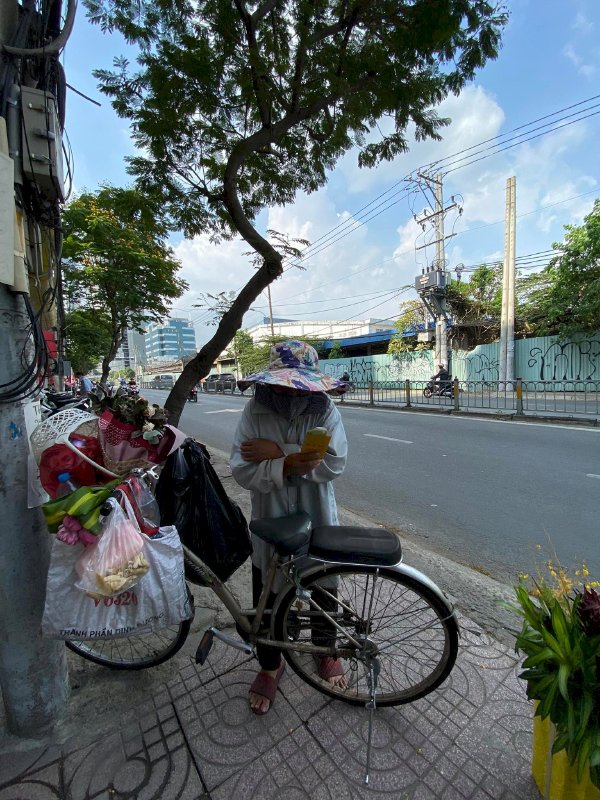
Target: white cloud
<point>578,61</point>
<point>351,261</point>
<point>475,115</point>
<point>582,24</point>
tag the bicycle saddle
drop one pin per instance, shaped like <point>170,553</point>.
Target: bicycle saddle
<point>356,545</point>
<point>288,535</point>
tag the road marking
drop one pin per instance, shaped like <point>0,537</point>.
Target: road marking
<point>225,411</point>
<point>475,418</point>
<point>591,475</point>
<point>387,438</point>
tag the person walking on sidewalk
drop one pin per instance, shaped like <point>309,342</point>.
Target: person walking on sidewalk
<point>291,397</point>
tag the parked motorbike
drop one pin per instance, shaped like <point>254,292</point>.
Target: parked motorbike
<point>52,402</point>
<point>193,395</point>
<point>434,389</point>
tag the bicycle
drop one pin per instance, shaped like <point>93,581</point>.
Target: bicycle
<point>382,616</point>
<point>345,593</point>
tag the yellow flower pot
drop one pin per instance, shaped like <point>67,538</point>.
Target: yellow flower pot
<point>554,776</point>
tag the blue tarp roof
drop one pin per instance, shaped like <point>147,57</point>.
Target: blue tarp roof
<point>366,338</point>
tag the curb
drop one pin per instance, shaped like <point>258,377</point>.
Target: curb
<point>510,416</point>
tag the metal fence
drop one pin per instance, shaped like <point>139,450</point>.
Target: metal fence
<point>535,398</point>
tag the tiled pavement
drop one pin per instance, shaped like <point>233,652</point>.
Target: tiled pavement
<point>196,739</point>
<point>184,732</point>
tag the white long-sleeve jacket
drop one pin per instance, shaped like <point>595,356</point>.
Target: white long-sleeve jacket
<point>272,494</point>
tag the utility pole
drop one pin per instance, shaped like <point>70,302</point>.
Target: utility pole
<point>441,336</point>
<point>33,671</point>
<point>270,311</point>
<point>431,284</point>
<point>507,319</point>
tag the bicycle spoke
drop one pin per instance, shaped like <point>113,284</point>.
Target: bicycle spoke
<point>386,618</point>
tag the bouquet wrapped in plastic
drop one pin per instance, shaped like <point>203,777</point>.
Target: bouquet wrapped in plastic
<point>134,433</point>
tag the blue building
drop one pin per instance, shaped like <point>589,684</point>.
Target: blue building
<point>171,341</point>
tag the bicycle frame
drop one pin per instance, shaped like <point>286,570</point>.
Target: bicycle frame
<point>310,569</point>
<point>242,619</point>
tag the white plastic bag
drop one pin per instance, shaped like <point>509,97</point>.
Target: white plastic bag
<point>116,561</point>
<point>159,599</point>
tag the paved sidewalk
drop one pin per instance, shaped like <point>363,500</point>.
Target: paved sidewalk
<point>185,732</point>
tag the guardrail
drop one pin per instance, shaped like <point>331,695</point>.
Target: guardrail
<point>519,397</point>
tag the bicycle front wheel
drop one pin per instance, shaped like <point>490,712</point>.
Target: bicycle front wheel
<point>408,630</point>
<point>134,652</point>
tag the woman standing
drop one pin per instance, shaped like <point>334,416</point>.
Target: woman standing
<point>291,397</point>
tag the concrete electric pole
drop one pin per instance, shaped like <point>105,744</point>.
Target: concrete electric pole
<point>507,320</point>
<point>33,671</point>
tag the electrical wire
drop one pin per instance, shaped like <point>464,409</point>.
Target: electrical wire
<point>507,139</point>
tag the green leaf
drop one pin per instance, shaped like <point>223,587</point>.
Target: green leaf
<point>544,655</point>
<point>583,755</point>
<point>559,625</point>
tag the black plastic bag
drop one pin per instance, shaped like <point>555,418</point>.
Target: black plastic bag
<point>191,497</point>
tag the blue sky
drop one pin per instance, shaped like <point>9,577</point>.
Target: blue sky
<point>550,60</point>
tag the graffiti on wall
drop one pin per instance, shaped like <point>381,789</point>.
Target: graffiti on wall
<point>382,368</point>
<point>566,361</point>
<point>476,366</point>
<point>544,358</point>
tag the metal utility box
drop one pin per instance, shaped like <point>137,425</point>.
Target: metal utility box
<point>435,279</point>
<point>41,145</point>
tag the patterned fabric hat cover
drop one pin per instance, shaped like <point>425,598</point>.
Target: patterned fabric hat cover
<point>296,365</point>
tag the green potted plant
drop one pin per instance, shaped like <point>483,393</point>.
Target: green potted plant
<point>560,640</point>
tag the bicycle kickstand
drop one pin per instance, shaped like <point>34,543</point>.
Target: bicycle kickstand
<point>373,674</point>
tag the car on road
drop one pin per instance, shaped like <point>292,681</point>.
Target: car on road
<point>226,382</point>
<point>162,382</point>
<point>208,384</point>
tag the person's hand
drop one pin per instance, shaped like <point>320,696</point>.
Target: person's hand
<point>260,450</point>
<point>301,463</point>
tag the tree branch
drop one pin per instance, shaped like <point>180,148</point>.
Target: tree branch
<point>262,11</point>
<point>255,61</point>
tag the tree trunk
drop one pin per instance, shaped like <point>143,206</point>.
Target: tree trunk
<point>230,323</point>
<point>109,357</point>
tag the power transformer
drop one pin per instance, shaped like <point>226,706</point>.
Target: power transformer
<point>434,279</point>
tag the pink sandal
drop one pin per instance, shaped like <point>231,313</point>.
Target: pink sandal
<point>266,686</point>
<point>329,667</point>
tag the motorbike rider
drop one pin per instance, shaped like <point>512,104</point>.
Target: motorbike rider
<point>85,384</point>
<point>441,379</point>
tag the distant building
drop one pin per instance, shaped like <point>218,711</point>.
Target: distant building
<point>323,330</point>
<point>132,353</point>
<point>170,341</point>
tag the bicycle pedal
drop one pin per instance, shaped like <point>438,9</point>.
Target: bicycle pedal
<point>203,649</point>
<point>246,647</point>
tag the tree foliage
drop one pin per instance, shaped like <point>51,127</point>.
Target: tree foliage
<point>476,305</point>
<point>412,314</point>
<point>248,356</point>
<point>237,106</point>
<point>336,350</point>
<point>116,263</point>
<point>88,337</point>
<point>570,303</point>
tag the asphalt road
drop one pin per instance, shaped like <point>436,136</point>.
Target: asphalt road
<point>485,493</point>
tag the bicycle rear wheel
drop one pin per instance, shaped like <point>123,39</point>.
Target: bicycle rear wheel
<point>410,631</point>
<point>134,652</point>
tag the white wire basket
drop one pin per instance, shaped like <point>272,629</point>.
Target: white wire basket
<point>58,428</point>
